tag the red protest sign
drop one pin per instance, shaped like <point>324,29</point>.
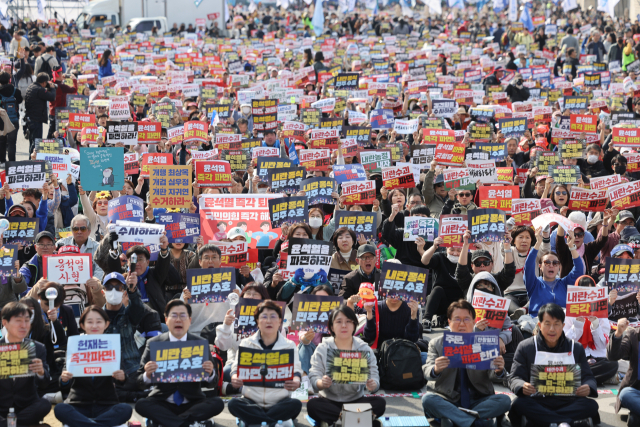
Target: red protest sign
<point>131,164</point>
<point>315,160</point>
<point>152,159</point>
<point>79,121</point>
<point>585,302</point>
<point>633,162</point>
<point>583,123</point>
<point>149,132</point>
<point>294,130</point>
<point>498,197</point>
<point>359,192</point>
<point>195,131</point>
<point>450,154</point>
<point>90,135</point>
<point>490,307</point>
<point>625,137</point>
<point>524,210</point>
<point>324,138</point>
<point>398,177</point>
<point>625,195</point>
<point>68,268</point>
<point>452,227</point>
<point>588,200</point>
<point>213,173</point>
<point>505,175</point>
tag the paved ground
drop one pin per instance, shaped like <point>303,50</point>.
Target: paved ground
<point>398,406</point>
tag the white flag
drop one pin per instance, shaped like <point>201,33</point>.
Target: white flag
<point>513,10</point>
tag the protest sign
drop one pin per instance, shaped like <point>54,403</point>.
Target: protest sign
<point>348,366</point>
<point>286,180</point>
<point>309,255</point>
<point>524,210</point>
<point>625,137</point>
<point>319,190</point>
<point>245,324</point>
<point>576,104</point>
<point>347,81</point>
<point>175,134</point>
<point>126,207</point>
<point>21,231</point>
<point>264,152</point>
<point>288,210</point>
<point>279,367</point>
<point>567,175</point>
<point>444,107</point>
<point>585,302</point>
<point>102,168</point>
<point>195,132</point>
<point>119,108</point>
<point>93,355</point>
<point>239,160</point>
<point>403,282</point>
<point>374,160</point>
<point>170,186</point>
<point>213,173</point>
<point>79,121</point>
<point>633,161</point>
<point>398,177</point>
<point>405,127</point>
<point>451,229</point>
<point>15,359</point>
<point>458,179</point>
<point>486,225</point>
<point>179,361</point>
<point>513,127</point>
<point>361,134</point>
<point>346,173</point>
<point>324,138</point>
<point>311,312</point>
<point>151,159</point>
<point>67,268</point>
<point>77,103</point>
<point>51,146</point>
<point>25,174</point>
<point>210,284</point>
<point>248,211</point>
<point>588,200</point>
<point>336,277</point>
<point>359,192</point>
<point>483,171</point>
<point>625,195</point>
<point>362,223</point>
<point>604,182</point>
<point>586,123</point>
<point>544,159</point>
<point>423,154</point>
<point>264,113</point>
<point>60,164</point>
<point>474,350</point>
<point>381,119</point>
<point>311,116</point>
<point>149,132</point>
<point>131,164</point>
<point>622,275</point>
<point>451,154</point>
<point>265,164</point>
<point>572,149</point>
<point>490,307</point>
<point>497,151</point>
<point>315,160</point>
<point>556,380</point>
<point>180,228</point>
<point>497,197</point>
<point>480,132</point>
<point>418,226</point>
<point>135,232</point>
<point>125,133</point>
<point>8,258</point>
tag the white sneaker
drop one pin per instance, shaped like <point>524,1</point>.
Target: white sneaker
<point>307,383</point>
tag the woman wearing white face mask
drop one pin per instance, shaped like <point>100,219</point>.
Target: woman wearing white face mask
<point>445,287</point>
<point>316,221</point>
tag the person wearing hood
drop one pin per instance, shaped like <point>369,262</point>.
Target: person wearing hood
<point>592,166</point>
<point>459,202</point>
<point>342,326</point>
<point>516,90</point>
<point>485,282</point>
<point>406,252</point>
<point>551,347</point>
<point>593,333</point>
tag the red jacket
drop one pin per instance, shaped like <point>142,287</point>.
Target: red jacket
<point>61,96</point>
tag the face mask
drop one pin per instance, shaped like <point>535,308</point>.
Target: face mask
<point>246,111</point>
<point>453,258</point>
<point>620,169</point>
<point>518,82</point>
<point>592,159</point>
<point>262,190</point>
<point>315,222</point>
<point>113,297</point>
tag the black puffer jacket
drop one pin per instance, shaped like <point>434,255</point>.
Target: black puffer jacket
<point>35,102</point>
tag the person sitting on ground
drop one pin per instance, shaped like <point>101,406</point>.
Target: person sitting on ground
<point>450,392</point>
<point>551,347</point>
<point>625,346</point>
<point>177,404</point>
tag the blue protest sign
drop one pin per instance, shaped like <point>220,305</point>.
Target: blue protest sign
<point>345,173</point>
<point>474,350</point>
<point>180,228</point>
<point>102,168</point>
<point>382,119</point>
<point>130,208</point>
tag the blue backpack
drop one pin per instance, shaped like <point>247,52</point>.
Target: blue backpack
<point>11,106</point>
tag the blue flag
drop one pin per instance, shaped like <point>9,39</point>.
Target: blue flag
<point>525,17</point>
<point>318,18</point>
<point>291,148</point>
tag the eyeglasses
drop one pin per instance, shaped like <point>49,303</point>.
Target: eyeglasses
<point>75,229</point>
<point>46,245</point>
<point>459,320</point>
<point>210,258</point>
<point>269,317</point>
<point>343,322</point>
<point>578,234</point>
<point>181,316</point>
<point>367,258</point>
<point>102,202</point>
<point>482,263</point>
<point>111,286</point>
<point>464,194</point>
<point>561,193</point>
<point>554,263</point>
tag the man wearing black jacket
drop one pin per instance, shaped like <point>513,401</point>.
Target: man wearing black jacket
<point>406,252</point>
<point>21,394</point>
<point>8,141</point>
<point>551,347</point>
<point>366,273</point>
<point>35,103</point>
<point>177,404</point>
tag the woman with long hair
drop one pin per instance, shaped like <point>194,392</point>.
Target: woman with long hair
<point>105,65</point>
<point>180,257</point>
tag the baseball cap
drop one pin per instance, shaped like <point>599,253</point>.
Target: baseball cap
<point>540,178</point>
<point>481,253</point>
<point>235,232</point>
<point>366,249</point>
<point>620,249</point>
<point>114,276</point>
<point>622,215</point>
<point>43,234</point>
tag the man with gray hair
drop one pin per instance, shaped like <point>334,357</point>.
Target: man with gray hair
<point>80,237</point>
<point>596,47</point>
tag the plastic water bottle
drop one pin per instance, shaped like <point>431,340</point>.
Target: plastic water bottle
<point>279,424</point>
<point>12,421</point>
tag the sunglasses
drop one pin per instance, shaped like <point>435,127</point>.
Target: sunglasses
<point>561,193</point>
<point>111,286</point>
<point>578,235</point>
<point>554,263</point>
<point>464,194</point>
<point>482,263</point>
<point>75,229</point>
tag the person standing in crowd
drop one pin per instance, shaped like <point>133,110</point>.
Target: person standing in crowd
<point>38,94</point>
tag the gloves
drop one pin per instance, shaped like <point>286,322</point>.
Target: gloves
<point>298,275</point>
<point>113,237</point>
<point>594,324</point>
<point>323,276</point>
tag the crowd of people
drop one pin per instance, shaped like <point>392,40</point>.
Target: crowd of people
<point>434,93</point>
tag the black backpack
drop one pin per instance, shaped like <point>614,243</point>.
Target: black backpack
<point>46,67</point>
<point>400,365</point>
<point>11,106</point>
